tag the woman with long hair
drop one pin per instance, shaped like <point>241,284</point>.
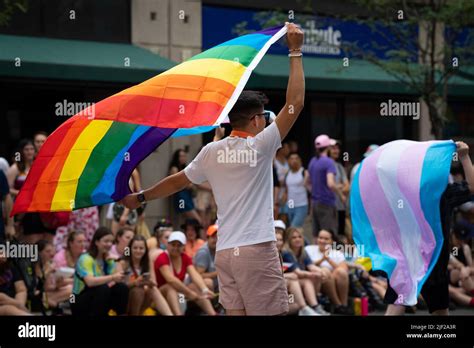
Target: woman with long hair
<point>98,283</point>
<point>293,285</point>
<point>121,242</point>
<point>31,225</point>
<point>141,279</point>
<point>23,160</point>
<point>309,276</point>
<point>53,289</point>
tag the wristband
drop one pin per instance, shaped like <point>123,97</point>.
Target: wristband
<point>295,55</point>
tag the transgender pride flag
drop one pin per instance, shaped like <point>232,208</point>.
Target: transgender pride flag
<point>395,208</point>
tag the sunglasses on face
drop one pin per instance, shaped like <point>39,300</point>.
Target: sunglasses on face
<point>265,114</point>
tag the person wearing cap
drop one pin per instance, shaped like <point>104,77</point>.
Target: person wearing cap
<point>191,229</point>
<point>279,225</point>
<point>171,268</point>
<point>204,259</point>
<point>250,277</point>
<point>322,174</point>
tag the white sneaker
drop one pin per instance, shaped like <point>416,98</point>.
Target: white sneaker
<point>307,311</point>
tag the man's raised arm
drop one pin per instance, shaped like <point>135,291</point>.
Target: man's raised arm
<point>296,86</point>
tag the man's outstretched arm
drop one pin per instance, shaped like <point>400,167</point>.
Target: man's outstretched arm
<point>164,188</point>
<point>296,85</point>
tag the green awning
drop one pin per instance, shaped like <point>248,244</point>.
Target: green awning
<point>78,60</point>
<point>328,75</point>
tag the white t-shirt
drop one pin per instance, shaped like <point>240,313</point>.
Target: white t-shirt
<point>281,169</point>
<point>296,189</point>
<point>315,255</point>
<point>240,174</point>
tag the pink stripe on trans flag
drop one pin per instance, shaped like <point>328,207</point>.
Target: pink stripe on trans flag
<point>384,223</point>
<point>413,158</point>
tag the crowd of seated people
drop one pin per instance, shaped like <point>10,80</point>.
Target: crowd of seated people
<point>92,270</point>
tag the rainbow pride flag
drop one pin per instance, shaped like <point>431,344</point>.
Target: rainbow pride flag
<point>395,209</point>
<point>88,160</point>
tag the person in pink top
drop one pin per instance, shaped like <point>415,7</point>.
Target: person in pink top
<point>122,240</point>
<point>68,256</point>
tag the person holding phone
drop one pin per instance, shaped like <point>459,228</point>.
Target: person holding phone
<point>98,283</point>
<point>141,283</point>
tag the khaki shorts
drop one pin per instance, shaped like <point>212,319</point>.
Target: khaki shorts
<point>251,279</point>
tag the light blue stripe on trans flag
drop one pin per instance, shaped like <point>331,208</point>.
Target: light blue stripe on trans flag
<point>363,233</point>
<point>433,182</point>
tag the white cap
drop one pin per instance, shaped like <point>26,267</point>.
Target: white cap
<point>466,207</point>
<point>177,235</point>
<point>279,224</point>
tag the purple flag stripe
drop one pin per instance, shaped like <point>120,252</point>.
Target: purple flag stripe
<point>145,145</point>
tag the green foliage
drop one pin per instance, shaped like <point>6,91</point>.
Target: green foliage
<point>9,7</point>
<point>402,19</point>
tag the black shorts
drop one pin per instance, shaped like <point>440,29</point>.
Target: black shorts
<point>435,290</point>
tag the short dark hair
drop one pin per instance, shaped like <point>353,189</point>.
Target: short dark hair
<point>320,151</point>
<point>248,102</point>
<point>40,133</point>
